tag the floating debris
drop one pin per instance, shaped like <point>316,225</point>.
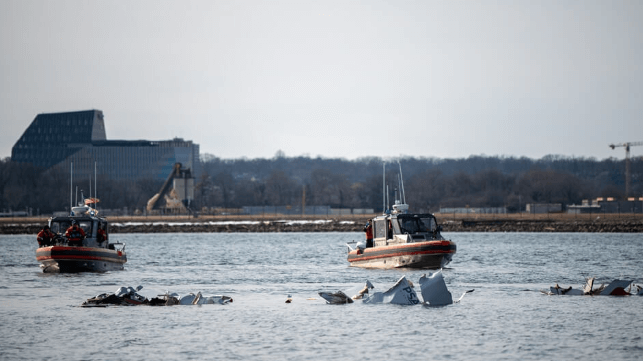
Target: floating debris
<point>364,291</point>
<point>340,297</point>
<point>402,293</point>
<point>434,290</point>
<point>434,293</point>
<point>128,296</point>
<point>336,298</point>
<point>614,288</point>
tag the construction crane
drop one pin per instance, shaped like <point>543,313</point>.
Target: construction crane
<point>627,162</point>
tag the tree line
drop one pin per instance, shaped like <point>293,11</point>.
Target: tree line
<point>429,183</point>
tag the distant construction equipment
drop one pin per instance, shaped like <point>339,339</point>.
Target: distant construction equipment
<point>177,192</point>
<point>627,162</point>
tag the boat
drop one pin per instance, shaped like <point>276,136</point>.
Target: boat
<point>94,253</point>
<point>402,240</point>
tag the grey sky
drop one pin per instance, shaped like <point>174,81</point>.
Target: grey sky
<point>347,79</point>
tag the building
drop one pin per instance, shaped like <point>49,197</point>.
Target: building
<point>607,205</point>
<point>58,140</point>
<point>474,210</point>
<point>542,208</point>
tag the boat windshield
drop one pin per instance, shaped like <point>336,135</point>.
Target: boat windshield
<point>86,226</point>
<point>60,227</point>
<point>429,224</point>
<point>416,225</point>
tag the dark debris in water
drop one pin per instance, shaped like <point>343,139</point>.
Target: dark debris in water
<point>128,296</point>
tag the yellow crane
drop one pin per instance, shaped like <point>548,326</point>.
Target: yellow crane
<point>627,162</point>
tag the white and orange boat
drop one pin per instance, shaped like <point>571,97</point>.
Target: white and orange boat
<point>93,254</point>
<point>402,239</point>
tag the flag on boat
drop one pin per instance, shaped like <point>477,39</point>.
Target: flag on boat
<point>91,200</point>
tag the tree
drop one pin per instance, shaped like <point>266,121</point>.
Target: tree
<point>279,189</point>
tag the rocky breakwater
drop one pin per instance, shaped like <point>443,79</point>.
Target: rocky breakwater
<point>596,225</point>
<point>545,225</point>
<point>326,225</point>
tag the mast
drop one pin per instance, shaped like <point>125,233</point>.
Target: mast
<point>388,203</point>
<point>95,189</point>
<point>402,183</point>
<point>71,187</point>
<point>384,188</point>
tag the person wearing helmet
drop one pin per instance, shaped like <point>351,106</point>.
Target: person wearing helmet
<point>75,235</point>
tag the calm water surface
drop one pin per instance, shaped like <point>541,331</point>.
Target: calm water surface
<point>505,318</point>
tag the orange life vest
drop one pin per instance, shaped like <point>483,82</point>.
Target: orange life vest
<point>75,234</point>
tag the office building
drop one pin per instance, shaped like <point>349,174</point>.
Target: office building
<point>58,140</point>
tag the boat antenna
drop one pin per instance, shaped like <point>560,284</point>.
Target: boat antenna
<point>95,189</point>
<point>388,202</point>
<point>71,187</point>
<point>384,188</point>
<point>402,183</point>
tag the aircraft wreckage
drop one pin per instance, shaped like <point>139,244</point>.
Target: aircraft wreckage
<point>433,290</point>
<point>128,296</point>
<point>614,288</point>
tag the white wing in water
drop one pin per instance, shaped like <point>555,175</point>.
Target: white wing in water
<point>401,293</point>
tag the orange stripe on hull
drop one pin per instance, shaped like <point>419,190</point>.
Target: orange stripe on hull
<point>387,255</point>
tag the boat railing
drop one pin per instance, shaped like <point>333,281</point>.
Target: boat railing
<point>350,248</point>
<point>118,246</point>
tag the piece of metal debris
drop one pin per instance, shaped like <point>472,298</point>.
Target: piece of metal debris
<point>434,293</point>
<point>128,296</point>
<point>614,288</point>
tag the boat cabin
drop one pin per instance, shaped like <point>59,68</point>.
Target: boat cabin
<point>405,228</point>
<point>89,223</point>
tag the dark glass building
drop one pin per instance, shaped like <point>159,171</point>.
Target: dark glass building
<point>56,140</point>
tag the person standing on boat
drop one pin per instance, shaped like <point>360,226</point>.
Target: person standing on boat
<point>75,235</point>
<point>368,228</point>
<point>101,236</point>
<point>45,237</point>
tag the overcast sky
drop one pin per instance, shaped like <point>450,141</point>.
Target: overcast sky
<point>349,79</point>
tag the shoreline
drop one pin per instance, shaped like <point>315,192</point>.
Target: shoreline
<point>603,223</point>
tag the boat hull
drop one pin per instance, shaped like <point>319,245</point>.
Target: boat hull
<point>65,259</point>
<point>426,255</point>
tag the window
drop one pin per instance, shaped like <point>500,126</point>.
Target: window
<point>60,227</point>
<point>408,225</point>
<point>379,230</point>
<point>429,224</point>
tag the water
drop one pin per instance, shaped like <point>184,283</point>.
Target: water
<point>505,318</point>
